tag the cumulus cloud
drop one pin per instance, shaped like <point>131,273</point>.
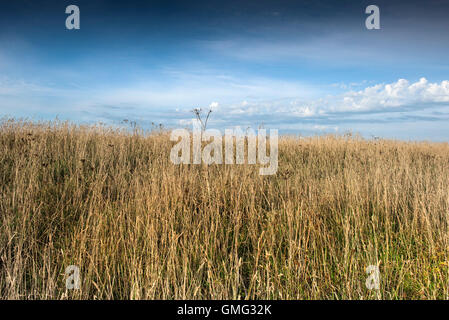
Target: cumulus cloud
<point>397,96</point>
<point>275,104</point>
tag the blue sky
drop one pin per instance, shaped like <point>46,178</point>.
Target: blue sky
<point>305,67</point>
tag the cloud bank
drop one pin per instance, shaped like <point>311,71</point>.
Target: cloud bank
<point>399,94</point>
<point>241,103</point>
<point>392,97</point>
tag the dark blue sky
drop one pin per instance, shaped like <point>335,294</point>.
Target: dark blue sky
<point>298,66</point>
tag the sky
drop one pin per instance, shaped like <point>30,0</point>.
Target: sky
<point>302,67</point>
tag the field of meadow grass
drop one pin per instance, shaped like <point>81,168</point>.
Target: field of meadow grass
<point>139,227</point>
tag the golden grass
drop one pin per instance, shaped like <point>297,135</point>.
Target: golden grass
<point>140,227</point>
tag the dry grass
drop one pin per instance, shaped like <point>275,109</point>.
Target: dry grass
<point>140,227</point>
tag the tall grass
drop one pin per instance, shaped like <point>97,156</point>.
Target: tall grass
<point>139,227</point>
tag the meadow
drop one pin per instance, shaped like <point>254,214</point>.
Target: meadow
<point>139,227</point>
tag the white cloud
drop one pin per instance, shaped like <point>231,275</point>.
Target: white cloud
<point>377,98</point>
<point>19,87</point>
<point>398,101</point>
<point>275,103</point>
<point>325,128</point>
<point>390,96</point>
<point>185,91</point>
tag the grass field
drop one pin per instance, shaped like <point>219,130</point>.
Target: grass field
<point>139,227</point>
